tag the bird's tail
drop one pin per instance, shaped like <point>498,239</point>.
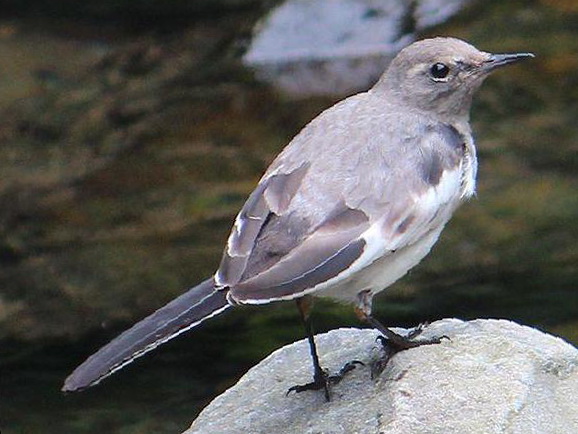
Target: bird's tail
<point>180,315</point>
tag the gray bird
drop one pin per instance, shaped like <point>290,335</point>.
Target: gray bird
<point>354,201</point>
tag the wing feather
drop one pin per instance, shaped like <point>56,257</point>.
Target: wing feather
<point>271,197</point>
<point>323,255</point>
<point>317,216</point>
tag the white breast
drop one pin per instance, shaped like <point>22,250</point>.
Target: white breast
<point>389,254</point>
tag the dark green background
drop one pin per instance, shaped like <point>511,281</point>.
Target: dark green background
<point>129,142</point>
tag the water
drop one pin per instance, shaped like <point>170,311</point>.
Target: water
<point>119,186</point>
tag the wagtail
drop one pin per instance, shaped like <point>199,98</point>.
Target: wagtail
<point>354,201</point>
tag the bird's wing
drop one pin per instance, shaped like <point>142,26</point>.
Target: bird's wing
<point>322,255</point>
<point>276,252</point>
<point>268,201</point>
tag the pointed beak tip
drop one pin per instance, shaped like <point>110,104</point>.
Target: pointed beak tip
<point>499,60</point>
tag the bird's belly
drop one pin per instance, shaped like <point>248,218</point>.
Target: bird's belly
<point>383,272</point>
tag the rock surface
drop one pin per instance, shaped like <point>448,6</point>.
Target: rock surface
<point>493,376</point>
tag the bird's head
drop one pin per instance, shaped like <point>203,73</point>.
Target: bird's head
<point>440,75</point>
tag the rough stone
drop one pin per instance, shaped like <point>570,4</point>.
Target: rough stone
<point>491,376</point>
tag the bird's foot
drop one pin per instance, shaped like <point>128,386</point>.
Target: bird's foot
<point>322,380</point>
<point>394,343</point>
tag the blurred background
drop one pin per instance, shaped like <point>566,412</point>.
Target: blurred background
<point>132,131</point>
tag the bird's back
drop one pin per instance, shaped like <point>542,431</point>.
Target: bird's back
<point>364,162</point>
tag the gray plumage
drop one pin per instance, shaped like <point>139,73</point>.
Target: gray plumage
<point>356,199</point>
<point>381,153</point>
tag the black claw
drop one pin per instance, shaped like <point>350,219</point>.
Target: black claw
<point>348,367</point>
<point>393,343</point>
<point>325,381</point>
<point>317,384</point>
<point>309,386</point>
<point>400,343</point>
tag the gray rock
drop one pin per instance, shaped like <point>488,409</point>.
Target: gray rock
<point>337,47</point>
<point>493,376</point>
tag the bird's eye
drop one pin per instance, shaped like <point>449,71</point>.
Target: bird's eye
<point>439,71</point>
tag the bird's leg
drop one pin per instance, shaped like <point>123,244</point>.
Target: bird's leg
<point>391,341</point>
<point>321,379</point>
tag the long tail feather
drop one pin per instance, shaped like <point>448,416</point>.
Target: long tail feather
<point>180,315</point>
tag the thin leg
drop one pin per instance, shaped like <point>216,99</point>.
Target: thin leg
<point>321,379</point>
<point>318,372</point>
<point>391,341</point>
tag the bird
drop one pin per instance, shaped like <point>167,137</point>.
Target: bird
<point>356,199</point>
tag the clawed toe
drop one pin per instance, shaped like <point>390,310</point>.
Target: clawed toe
<point>314,385</point>
<point>324,381</point>
<point>393,343</point>
<point>399,342</point>
<point>320,381</point>
<point>348,367</point>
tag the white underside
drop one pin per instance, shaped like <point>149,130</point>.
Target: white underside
<point>389,255</point>
<point>381,273</point>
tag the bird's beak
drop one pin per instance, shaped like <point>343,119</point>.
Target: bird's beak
<point>498,60</point>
